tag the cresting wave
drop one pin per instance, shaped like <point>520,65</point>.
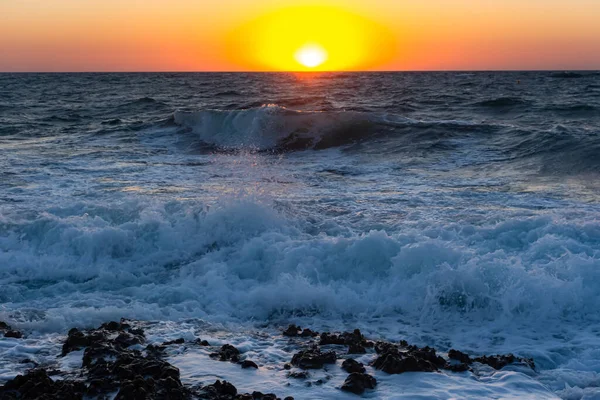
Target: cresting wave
<point>277,128</point>
<point>272,127</point>
<point>243,261</point>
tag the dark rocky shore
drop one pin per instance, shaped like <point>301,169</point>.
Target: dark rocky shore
<point>110,366</point>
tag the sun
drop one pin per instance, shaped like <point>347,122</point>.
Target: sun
<point>310,38</point>
<point>311,55</point>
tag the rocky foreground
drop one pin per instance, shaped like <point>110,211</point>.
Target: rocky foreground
<point>113,365</point>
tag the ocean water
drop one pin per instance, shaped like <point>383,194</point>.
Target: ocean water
<point>448,209</point>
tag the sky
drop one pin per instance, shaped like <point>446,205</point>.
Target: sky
<point>279,35</point>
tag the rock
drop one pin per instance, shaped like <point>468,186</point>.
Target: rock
<point>287,366</point>
<point>298,375</point>
<point>227,353</point>
<point>309,333</point>
<point>501,361</point>
<point>459,356</point>
<point>13,334</point>
<point>249,364</point>
<point>220,389</point>
<point>112,367</point>
<point>176,341</point>
<point>260,396</point>
<point>313,358</point>
<point>461,367</point>
<point>350,365</point>
<point>201,342</point>
<point>4,326</point>
<point>289,398</point>
<point>36,384</point>
<point>394,361</point>
<point>292,331</point>
<point>357,383</point>
<point>356,349</point>
<point>112,326</point>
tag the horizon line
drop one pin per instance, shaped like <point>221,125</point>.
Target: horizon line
<point>291,71</point>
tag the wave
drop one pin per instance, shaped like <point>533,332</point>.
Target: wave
<point>244,261</point>
<point>273,127</point>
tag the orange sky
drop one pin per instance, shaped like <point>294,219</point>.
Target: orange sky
<point>233,35</point>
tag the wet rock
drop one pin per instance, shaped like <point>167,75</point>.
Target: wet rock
<point>292,331</point>
<point>287,366</point>
<point>309,333</point>
<point>313,358</point>
<point>249,364</point>
<point>460,367</point>
<point>219,390</point>
<point>356,349</point>
<point>393,360</point>
<point>501,361</point>
<point>176,341</point>
<point>112,367</point>
<point>8,332</point>
<point>289,398</point>
<point>114,326</point>
<point>227,352</point>
<point>13,334</point>
<point>37,384</point>
<point>459,356</point>
<point>357,383</point>
<point>355,341</point>
<point>201,342</point>
<point>350,365</point>
<point>299,375</point>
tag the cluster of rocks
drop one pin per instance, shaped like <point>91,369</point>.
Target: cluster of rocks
<point>117,363</point>
<point>112,363</point>
<point>8,332</point>
<point>392,358</point>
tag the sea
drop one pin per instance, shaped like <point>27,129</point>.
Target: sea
<point>449,209</point>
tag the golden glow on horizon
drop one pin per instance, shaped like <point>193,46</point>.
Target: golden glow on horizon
<point>314,38</point>
<point>265,35</point>
<point>311,55</point>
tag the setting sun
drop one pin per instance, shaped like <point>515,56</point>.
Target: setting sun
<point>311,55</point>
<point>310,38</point>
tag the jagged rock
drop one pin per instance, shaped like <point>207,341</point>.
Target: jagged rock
<point>219,390</point>
<point>292,330</point>
<point>261,396</point>
<point>395,361</point>
<point>313,358</point>
<point>227,353</point>
<point>299,375</point>
<point>201,342</point>
<point>459,356</point>
<point>461,367</point>
<point>249,364</point>
<point>357,383</point>
<point>176,341</point>
<point>356,349</point>
<point>501,361</point>
<point>308,333</point>
<point>37,384</point>
<point>13,334</point>
<point>129,372</point>
<point>350,365</point>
